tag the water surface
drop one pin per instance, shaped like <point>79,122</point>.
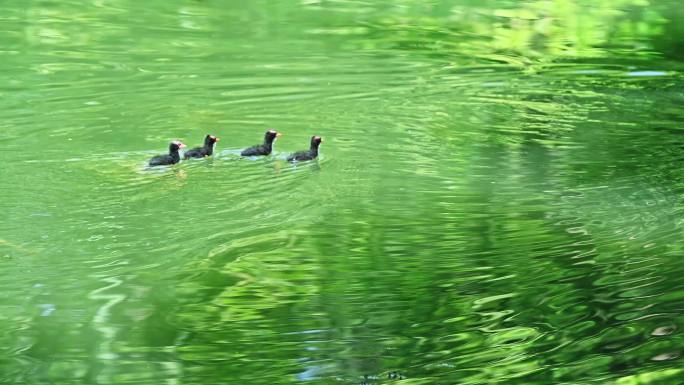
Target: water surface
<point>498,197</point>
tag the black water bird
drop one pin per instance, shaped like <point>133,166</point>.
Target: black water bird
<point>172,157</point>
<point>264,148</point>
<point>311,154</point>
<point>206,150</point>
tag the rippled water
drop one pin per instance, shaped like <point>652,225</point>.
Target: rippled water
<point>498,197</point>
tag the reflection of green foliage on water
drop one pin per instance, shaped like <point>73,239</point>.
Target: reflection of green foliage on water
<point>515,32</point>
<point>566,321</point>
<point>423,273</point>
<point>505,31</point>
<point>547,29</point>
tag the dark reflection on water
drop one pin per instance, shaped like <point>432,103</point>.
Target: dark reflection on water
<point>497,198</point>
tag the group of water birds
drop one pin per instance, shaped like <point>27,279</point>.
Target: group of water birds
<point>207,149</point>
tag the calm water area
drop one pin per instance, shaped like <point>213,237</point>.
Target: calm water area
<point>498,198</point>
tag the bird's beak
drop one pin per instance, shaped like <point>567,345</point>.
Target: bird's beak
<point>279,134</point>
<point>182,145</point>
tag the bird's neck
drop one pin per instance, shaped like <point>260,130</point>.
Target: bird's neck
<point>175,155</point>
<point>209,148</point>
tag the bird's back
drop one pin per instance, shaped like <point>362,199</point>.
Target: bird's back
<point>161,160</point>
<point>299,156</point>
<point>255,150</point>
<point>197,152</point>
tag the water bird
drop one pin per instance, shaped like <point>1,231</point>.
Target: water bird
<point>172,157</point>
<point>264,148</point>
<point>206,150</point>
<point>311,154</point>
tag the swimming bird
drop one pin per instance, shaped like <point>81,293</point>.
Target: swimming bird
<point>311,154</point>
<point>171,158</point>
<point>266,147</point>
<point>206,150</point>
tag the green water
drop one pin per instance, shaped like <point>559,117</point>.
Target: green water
<point>498,198</point>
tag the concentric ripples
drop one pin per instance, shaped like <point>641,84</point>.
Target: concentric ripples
<point>483,210</point>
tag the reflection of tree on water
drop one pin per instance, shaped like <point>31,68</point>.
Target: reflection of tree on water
<point>409,288</point>
<point>592,309</point>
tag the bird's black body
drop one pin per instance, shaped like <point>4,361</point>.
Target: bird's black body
<point>264,148</point>
<point>311,154</point>
<point>172,157</point>
<point>206,150</point>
